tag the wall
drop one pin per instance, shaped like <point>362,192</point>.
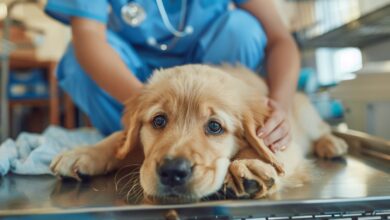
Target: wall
<point>377,52</point>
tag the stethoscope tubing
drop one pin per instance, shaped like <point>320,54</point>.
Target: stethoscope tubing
<point>134,14</point>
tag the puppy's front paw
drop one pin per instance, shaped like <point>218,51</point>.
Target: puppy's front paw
<point>330,146</point>
<point>250,178</point>
<point>78,164</point>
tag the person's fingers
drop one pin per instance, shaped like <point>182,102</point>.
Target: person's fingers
<point>279,132</point>
<point>282,143</point>
<point>272,122</point>
<point>273,104</point>
<point>266,101</point>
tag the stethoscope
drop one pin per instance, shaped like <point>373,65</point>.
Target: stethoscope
<point>134,14</point>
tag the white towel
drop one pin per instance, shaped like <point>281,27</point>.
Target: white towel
<point>32,153</point>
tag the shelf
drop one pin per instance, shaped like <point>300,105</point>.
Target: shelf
<point>368,29</point>
<point>29,102</point>
<point>52,102</point>
<point>28,63</point>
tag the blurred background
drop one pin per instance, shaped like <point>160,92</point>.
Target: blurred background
<point>345,46</point>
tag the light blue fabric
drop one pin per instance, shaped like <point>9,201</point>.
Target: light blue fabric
<point>33,153</point>
<point>235,38</point>
<point>220,36</point>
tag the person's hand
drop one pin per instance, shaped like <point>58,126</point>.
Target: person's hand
<point>276,131</point>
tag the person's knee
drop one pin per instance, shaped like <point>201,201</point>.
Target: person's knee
<point>245,29</point>
<point>248,37</point>
<point>102,109</point>
<point>69,71</point>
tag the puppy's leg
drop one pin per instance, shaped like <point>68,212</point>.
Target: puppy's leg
<point>93,160</point>
<point>326,145</point>
<point>330,146</point>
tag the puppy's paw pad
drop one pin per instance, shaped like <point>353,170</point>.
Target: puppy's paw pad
<point>251,178</point>
<point>251,186</point>
<point>330,146</point>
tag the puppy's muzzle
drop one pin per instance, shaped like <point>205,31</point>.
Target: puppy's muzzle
<point>174,172</point>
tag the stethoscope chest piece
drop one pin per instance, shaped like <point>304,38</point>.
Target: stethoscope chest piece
<point>133,14</point>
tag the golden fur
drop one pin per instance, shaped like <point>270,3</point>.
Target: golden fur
<point>190,96</point>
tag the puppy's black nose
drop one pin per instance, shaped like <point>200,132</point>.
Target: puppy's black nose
<point>174,172</point>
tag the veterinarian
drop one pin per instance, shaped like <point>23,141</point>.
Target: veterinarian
<point>117,44</point>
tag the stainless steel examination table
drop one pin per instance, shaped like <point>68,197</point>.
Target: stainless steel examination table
<point>354,187</point>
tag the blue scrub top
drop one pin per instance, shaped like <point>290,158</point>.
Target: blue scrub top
<point>200,14</point>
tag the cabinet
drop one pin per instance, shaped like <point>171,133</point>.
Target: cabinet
<point>57,101</point>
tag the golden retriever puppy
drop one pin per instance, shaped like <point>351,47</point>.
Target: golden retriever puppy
<point>193,129</point>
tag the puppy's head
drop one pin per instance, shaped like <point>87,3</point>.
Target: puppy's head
<point>190,121</point>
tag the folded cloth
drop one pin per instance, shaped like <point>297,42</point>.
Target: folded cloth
<point>32,153</point>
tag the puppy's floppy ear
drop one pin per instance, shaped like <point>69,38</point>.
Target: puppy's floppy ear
<point>132,124</point>
<point>253,118</point>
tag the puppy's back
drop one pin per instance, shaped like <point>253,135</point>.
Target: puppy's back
<point>250,78</point>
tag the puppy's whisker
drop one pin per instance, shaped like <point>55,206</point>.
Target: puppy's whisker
<point>135,188</point>
<point>129,165</point>
<point>132,189</point>
<point>139,196</point>
<point>132,180</point>
<point>129,193</point>
<point>124,167</point>
<point>130,175</point>
<point>124,188</point>
<point>126,175</point>
<point>127,196</point>
<point>132,172</point>
<point>122,178</point>
<point>117,174</point>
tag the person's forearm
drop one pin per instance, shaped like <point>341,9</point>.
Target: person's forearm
<point>283,64</point>
<point>104,65</point>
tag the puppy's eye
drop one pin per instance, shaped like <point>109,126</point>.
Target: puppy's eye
<point>214,127</point>
<point>159,121</point>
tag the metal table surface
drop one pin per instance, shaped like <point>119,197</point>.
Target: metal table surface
<point>341,179</point>
<point>355,178</point>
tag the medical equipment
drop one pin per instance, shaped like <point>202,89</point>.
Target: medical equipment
<point>167,23</point>
<point>134,14</point>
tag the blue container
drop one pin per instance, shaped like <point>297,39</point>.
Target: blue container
<point>29,84</point>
